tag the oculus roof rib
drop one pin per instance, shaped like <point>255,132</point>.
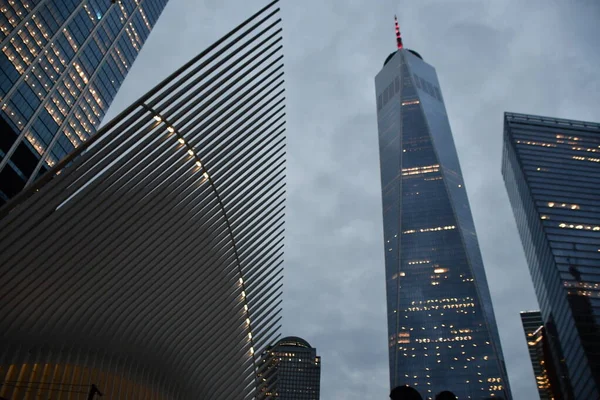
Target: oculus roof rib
<point>149,261</point>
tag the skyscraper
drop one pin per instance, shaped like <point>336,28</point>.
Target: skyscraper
<point>551,169</point>
<point>290,370</point>
<point>148,263</point>
<point>61,64</point>
<point>442,329</point>
<point>539,353</point>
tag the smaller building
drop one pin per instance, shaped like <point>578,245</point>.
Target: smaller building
<point>537,343</point>
<point>551,169</point>
<point>290,370</point>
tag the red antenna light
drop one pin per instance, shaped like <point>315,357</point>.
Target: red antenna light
<point>398,35</point>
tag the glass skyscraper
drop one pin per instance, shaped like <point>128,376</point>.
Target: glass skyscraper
<point>442,329</point>
<point>539,353</point>
<point>551,169</point>
<point>61,64</point>
<point>290,370</point>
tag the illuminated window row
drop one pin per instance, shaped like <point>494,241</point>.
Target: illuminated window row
<point>37,145</point>
<point>455,331</point>
<point>38,72</point>
<point>81,72</point>
<point>54,113</point>
<point>120,61</point>
<point>71,136</point>
<point>410,102</point>
<point>564,205</point>
<point>84,122</point>
<point>13,114</point>
<point>57,54</point>
<point>59,102</point>
<point>132,39</point>
<point>568,137</point>
<point>586,159</point>
<point>445,340</point>
<point>33,44</point>
<point>584,293</point>
<point>418,262</point>
<point>22,49</point>
<point>123,11</point>
<point>420,170</point>
<point>15,59</point>
<point>90,14</point>
<point>579,227</point>
<point>143,14</point>
<point>567,142</point>
<point>536,143</point>
<point>82,136</point>
<point>13,14</point>
<point>41,26</point>
<point>436,229</point>
<point>581,285</point>
<point>70,39</point>
<point>444,300</point>
<point>443,307</point>
<point>588,149</point>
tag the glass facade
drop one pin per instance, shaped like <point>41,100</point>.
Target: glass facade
<point>442,329</point>
<point>539,353</point>
<point>291,371</point>
<point>551,169</point>
<point>61,64</point>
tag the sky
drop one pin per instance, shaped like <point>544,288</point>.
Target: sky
<point>539,57</point>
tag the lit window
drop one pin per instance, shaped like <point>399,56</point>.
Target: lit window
<point>410,102</point>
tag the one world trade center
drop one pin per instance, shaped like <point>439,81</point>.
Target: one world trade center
<point>441,327</point>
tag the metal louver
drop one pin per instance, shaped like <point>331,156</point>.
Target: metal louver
<point>149,261</point>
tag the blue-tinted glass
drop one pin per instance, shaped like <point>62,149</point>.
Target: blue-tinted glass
<point>61,44</point>
<point>551,169</point>
<point>442,329</point>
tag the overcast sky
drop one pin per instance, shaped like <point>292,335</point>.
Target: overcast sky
<point>533,56</point>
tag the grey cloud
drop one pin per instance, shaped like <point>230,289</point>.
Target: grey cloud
<point>491,56</point>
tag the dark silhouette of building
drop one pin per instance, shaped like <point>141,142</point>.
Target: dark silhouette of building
<point>148,263</point>
<point>290,370</point>
<point>551,168</point>
<point>61,64</point>
<point>543,365</point>
<point>441,323</point>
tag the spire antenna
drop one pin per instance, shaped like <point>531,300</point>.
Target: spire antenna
<point>398,35</point>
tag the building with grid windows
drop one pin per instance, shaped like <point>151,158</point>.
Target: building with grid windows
<point>551,169</point>
<point>290,370</point>
<point>539,352</point>
<point>147,264</point>
<point>441,325</point>
<point>61,64</point>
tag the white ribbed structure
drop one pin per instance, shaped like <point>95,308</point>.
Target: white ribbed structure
<point>149,262</point>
